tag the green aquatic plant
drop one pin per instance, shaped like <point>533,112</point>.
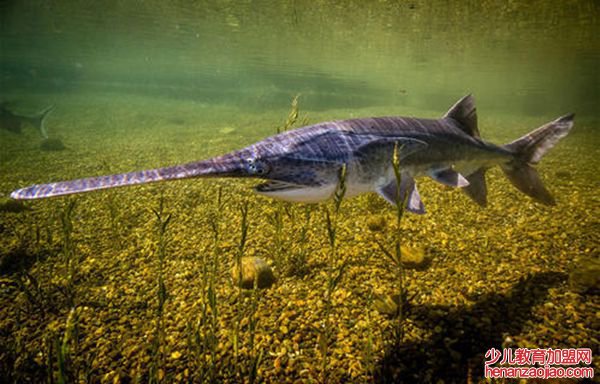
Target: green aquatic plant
<point>235,335</point>
<point>65,347</point>
<point>70,260</point>
<point>256,356</point>
<point>203,334</point>
<point>292,116</point>
<point>276,219</point>
<point>395,257</point>
<point>369,349</point>
<point>158,358</point>
<point>115,220</point>
<point>38,300</point>
<point>335,271</point>
<point>49,345</point>
<point>213,327</point>
<point>243,236</point>
<point>245,315</point>
<point>297,258</point>
<point>113,211</point>
<point>196,346</point>
<point>400,273</point>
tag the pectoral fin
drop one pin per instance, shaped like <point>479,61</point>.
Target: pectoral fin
<point>448,176</point>
<point>407,185</point>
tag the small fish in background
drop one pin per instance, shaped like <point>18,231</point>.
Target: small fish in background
<point>303,165</point>
<point>13,122</point>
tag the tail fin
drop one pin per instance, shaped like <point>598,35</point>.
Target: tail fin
<point>528,151</point>
<point>38,121</point>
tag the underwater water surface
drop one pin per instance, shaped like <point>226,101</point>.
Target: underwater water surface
<point>138,284</point>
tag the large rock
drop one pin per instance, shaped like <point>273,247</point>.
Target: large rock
<point>387,304</point>
<point>414,258</point>
<point>376,223</point>
<point>584,276</point>
<point>253,268</point>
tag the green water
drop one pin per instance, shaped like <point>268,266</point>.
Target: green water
<point>515,57</point>
<point>143,84</point>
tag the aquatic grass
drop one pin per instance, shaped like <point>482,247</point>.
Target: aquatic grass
<point>37,297</point>
<point>29,237</point>
<point>245,315</point>
<point>113,210</point>
<point>203,334</point>
<point>395,257</point>
<point>61,349</point>
<point>212,336</point>
<point>335,272</point>
<point>400,272</point>
<point>256,356</point>
<point>196,347</point>
<point>115,220</point>
<point>276,219</point>
<point>49,343</point>
<point>70,260</point>
<point>199,338</point>
<point>296,263</point>
<point>369,349</point>
<point>235,335</point>
<point>158,358</point>
<point>292,116</point>
<point>211,292</point>
<point>29,248</point>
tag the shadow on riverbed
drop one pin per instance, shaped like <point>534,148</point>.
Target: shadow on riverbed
<point>461,336</point>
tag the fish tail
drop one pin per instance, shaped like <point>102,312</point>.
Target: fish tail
<point>528,151</point>
<point>39,119</point>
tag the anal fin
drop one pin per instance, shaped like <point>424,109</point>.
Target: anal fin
<point>477,189</point>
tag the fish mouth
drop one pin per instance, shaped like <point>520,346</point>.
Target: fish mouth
<point>276,186</point>
<point>297,193</point>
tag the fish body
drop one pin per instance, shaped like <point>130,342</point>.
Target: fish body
<point>304,165</point>
<point>13,122</point>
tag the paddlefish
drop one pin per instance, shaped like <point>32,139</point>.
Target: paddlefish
<point>304,165</point>
<point>13,122</point>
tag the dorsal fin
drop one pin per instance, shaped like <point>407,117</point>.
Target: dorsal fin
<point>465,113</point>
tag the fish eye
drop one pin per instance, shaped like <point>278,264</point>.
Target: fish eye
<point>257,167</point>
